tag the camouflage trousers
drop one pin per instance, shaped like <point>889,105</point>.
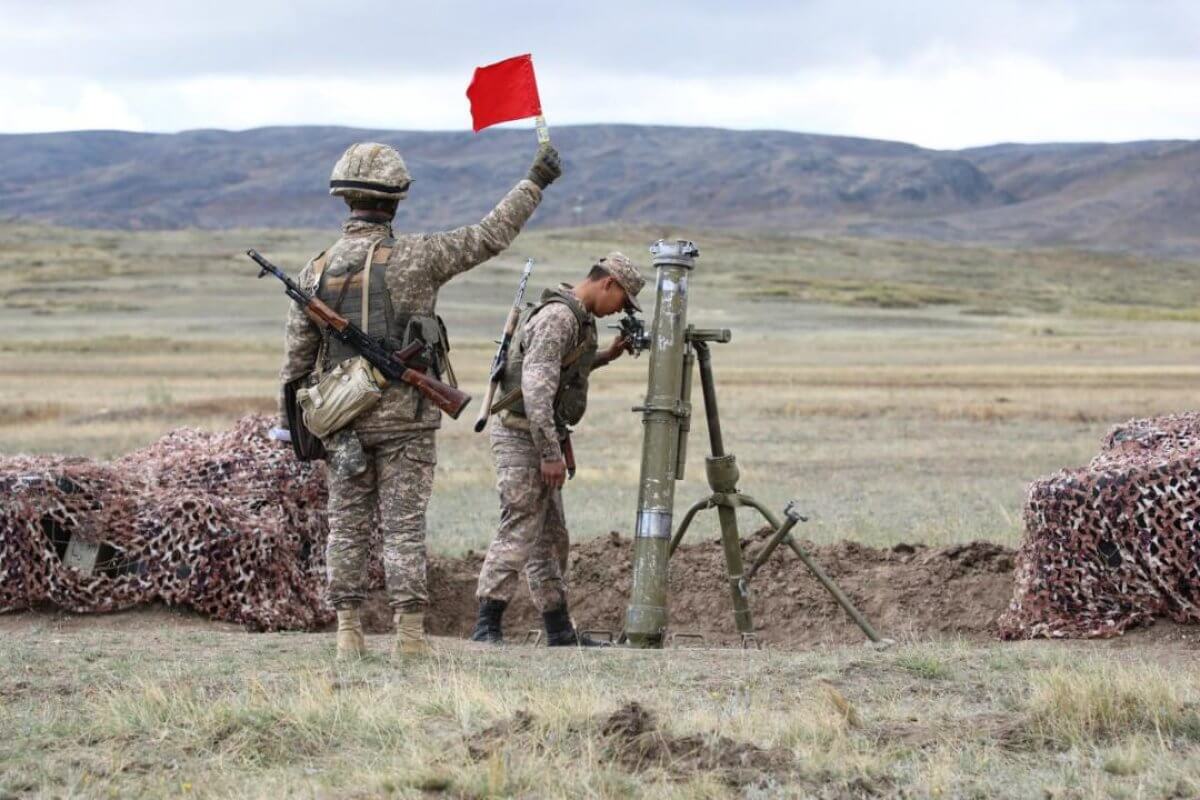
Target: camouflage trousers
<point>393,487</point>
<point>533,530</point>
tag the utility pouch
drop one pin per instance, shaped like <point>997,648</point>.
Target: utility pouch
<point>343,393</point>
<point>305,443</point>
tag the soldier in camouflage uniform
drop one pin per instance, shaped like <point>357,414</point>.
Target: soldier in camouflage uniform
<point>382,464</point>
<point>545,390</point>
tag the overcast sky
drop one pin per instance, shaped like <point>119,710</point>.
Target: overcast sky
<point>938,73</point>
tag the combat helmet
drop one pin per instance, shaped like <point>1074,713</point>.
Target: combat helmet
<point>370,169</point>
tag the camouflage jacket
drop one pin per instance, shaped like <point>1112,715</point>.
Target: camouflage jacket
<point>549,337</point>
<point>418,266</point>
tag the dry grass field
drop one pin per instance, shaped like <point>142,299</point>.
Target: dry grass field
<point>901,392</point>
<point>161,707</point>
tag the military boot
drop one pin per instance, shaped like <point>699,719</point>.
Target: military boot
<point>487,626</point>
<point>410,634</point>
<point>561,633</point>
<point>351,644</point>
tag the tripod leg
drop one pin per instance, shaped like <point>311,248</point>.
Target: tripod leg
<point>784,532</point>
<point>738,588</point>
<point>834,590</point>
<point>687,521</point>
<point>722,478</point>
<point>785,537</point>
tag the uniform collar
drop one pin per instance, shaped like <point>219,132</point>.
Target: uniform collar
<point>362,227</point>
<point>569,290</point>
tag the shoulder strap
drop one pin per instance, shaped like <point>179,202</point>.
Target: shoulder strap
<point>366,286</point>
<point>318,266</point>
<point>384,251</point>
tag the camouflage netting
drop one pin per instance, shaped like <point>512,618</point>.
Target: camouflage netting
<point>1117,544</point>
<point>229,524</point>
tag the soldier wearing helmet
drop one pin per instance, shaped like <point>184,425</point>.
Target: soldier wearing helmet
<point>545,390</point>
<point>381,465</point>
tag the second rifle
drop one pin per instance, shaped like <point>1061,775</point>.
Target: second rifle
<point>500,360</point>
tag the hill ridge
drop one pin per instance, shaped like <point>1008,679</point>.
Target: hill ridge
<point>1138,196</point>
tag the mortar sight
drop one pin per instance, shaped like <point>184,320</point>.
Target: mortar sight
<point>633,331</point>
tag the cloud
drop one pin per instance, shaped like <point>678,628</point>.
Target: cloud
<point>934,72</point>
<point>32,105</point>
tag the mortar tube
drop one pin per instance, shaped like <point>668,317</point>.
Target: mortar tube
<point>646,618</point>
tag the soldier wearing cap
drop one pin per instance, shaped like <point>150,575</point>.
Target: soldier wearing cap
<point>544,391</point>
<point>381,464</point>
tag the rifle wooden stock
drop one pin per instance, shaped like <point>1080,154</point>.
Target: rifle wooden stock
<point>499,363</point>
<point>442,395</point>
<point>500,360</point>
<point>568,451</point>
<point>323,315</point>
<point>486,408</point>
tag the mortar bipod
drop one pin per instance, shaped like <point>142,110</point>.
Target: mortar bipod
<point>722,473</point>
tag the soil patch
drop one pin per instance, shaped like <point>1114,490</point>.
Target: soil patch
<point>150,617</point>
<point>631,738</point>
<point>906,591</point>
<point>634,740</point>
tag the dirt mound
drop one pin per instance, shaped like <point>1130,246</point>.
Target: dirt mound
<point>907,590</point>
<point>632,739</point>
<point>635,741</point>
<point>232,526</point>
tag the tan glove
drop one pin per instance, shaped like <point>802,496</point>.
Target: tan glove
<point>546,166</point>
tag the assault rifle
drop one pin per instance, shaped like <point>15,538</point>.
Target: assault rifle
<point>500,360</point>
<point>393,365</point>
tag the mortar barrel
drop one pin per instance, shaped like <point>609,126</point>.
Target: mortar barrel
<point>662,416</point>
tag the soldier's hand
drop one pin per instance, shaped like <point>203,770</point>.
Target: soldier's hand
<point>554,473</point>
<point>546,166</point>
<point>620,344</point>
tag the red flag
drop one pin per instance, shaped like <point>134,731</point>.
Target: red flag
<point>504,91</point>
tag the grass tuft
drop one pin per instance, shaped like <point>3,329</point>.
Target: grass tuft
<point>925,665</point>
<point>1101,701</point>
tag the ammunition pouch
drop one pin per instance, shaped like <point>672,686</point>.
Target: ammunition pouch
<point>434,356</point>
<point>342,394</point>
<point>305,444</point>
<point>570,404</point>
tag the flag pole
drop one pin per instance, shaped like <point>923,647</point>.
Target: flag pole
<point>543,133</point>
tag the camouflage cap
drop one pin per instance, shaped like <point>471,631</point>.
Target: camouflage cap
<point>625,273</point>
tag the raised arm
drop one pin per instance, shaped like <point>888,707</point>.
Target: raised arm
<point>452,252</point>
